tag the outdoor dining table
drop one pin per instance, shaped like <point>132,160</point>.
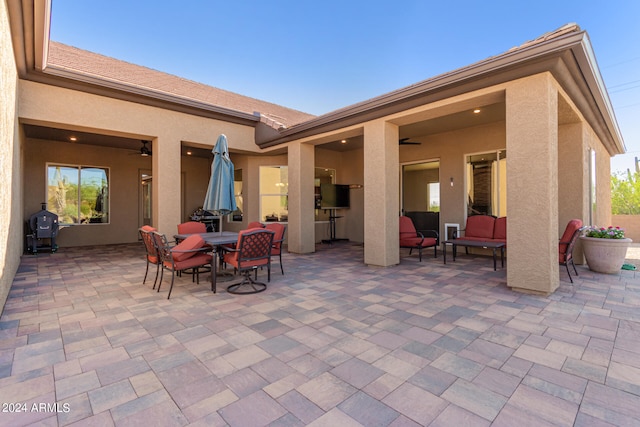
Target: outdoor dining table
<point>215,239</point>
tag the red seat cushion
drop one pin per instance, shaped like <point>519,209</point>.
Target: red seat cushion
<point>572,226</point>
<point>191,243</point>
<point>193,261</point>
<point>500,228</point>
<point>480,226</point>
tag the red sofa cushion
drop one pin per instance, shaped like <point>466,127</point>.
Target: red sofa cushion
<point>480,226</point>
<point>500,229</point>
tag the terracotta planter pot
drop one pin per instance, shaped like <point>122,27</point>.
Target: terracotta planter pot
<point>605,255</point>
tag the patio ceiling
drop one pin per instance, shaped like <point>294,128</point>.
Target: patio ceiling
<point>102,140</point>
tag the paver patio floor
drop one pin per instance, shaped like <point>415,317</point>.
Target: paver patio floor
<point>331,343</point>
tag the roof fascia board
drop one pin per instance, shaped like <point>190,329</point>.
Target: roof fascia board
<point>41,31</point>
<point>586,59</point>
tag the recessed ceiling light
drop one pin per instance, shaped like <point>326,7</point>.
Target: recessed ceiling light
<point>73,138</point>
<point>188,153</point>
<point>344,141</point>
<point>476,111</point>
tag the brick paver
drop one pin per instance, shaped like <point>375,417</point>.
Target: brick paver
<point>331,342</point>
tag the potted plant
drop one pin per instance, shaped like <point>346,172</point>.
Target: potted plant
<point>605,249</point>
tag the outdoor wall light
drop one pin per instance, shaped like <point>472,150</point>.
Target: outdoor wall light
<point>452,181</point>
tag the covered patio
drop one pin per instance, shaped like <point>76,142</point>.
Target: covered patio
<point>419,343</point>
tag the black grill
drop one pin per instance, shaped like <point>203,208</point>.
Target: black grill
<point>211,220</point>
<point>43,229</point>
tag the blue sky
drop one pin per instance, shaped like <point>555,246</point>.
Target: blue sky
<point>318,56</point>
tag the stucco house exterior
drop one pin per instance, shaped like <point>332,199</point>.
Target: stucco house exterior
<point>543,102</point>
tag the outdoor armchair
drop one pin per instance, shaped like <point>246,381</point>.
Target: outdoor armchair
<point>191,253</point>
<point>567,243</point>
<point>253,250</point>
<point>151,255</point>
<point>413,239</point>
<point>278,238</point>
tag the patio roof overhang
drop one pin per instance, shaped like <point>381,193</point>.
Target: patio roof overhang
<point>569,58</point>
<point>567,55</point>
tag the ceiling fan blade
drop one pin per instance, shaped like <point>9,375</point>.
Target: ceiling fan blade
<point>405,141</point>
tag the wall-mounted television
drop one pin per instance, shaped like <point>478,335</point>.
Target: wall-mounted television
<point>334,196</point>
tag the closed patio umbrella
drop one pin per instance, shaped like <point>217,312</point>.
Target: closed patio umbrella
<point>220,197</point>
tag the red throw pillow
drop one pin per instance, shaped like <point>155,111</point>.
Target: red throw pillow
<point>191,243</point>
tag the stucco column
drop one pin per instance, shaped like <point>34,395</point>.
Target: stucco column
<point>573,178</point>
<point>301,230</point>
<point>381,193</point>
<point>166,191</point>
<point>532,184</point>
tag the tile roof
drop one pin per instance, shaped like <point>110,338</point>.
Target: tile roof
<point>92,64</point>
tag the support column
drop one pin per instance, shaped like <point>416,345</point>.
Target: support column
<point>573,179</point>
<point>532,187</point>
<point>301,230</point>
<point>166,190</point>
<point>381,193</point>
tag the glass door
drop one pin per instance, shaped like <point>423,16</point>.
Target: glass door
<point>421,194</point>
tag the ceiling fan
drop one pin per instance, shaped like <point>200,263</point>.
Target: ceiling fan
<point>405,141</point>
<point>144,150</point>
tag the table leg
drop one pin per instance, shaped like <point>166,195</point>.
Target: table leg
<point>494,259</point>
<point>502,256</point>
<point>214,264</point>
<point>444,252</point>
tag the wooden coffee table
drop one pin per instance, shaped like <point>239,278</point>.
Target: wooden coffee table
<point>474,244</point>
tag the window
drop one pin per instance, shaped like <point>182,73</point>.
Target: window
<point>487,184</point>
<point>421,187</point>
<point>274,191</point>
<point>78,194</point>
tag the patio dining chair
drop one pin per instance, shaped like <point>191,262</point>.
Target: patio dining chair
<point>253,250</point>
<point>413,239</point>
<point>151,254</point>
<point>192,227</point>
<point>278,238</point>
<point>255,224</point>
<point>191,253</point>
<point>567,243</point>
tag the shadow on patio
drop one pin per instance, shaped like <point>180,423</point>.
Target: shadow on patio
<point>332,342</point>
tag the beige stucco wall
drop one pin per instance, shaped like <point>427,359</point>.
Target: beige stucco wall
<point>451,148</point>
<point>124,167</point>
<point>630,224</point>
<point>10,171</point>
<point>47,105</point>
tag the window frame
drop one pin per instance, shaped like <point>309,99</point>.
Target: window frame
<point>262,196</point>
<point>105,191</point>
